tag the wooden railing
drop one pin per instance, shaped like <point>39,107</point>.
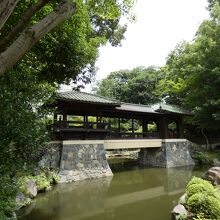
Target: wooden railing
<point>128,135</point>
<point>81,124</point>
<point>94,130</point>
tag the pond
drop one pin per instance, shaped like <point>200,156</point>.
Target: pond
<point>133,193</point>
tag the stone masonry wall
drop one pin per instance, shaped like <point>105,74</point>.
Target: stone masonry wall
<point>83,161</point>
<point>50,157</point>
<point>171,154</point>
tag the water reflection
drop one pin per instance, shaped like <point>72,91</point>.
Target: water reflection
<point>136,194</point>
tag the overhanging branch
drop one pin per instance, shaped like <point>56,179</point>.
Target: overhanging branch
<point>22,23</point>
<point>33,34</point>
<point>6,8</point>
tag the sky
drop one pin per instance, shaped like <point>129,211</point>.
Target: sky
<point>160,26</point>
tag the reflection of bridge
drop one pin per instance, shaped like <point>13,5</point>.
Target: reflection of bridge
<point>81,200</point>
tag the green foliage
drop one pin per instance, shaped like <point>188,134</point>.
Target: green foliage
<point>134,86</point>
<point>152,127</point>
<point>8,190</point>
<point>53,177</point>
<point>203,200</point>
<point>192,74</point>
<point>43,184</point>
<point>22,184</point>
<point>22,126</point>
<point>207,205</point>
<point>204,187</point>
<point>197,180</point>
<point>43,181</point>
<point>72,47</point>
<point>206,157</point>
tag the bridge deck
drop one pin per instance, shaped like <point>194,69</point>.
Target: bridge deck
<point>125,144</point>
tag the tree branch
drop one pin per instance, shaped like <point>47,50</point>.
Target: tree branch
<point>22,23</point>
<point>6,8</point>
<point>33,34</point>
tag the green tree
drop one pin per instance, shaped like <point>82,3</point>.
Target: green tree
<point>42,58</point>
<point>134,86</point>
<point>71,48</point>
<point>22,128</point>
<point>192,74</point>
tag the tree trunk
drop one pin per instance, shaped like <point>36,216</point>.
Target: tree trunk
<point>21,25</point>
<point>206,139</point>
<point>6,8</point>
<point>33,34</point>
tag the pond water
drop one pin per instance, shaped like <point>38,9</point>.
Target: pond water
<point>133,193</point>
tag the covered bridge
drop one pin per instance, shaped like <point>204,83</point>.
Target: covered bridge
<point>84,116</point>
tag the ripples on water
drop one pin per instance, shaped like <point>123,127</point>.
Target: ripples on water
<point>133,193</point>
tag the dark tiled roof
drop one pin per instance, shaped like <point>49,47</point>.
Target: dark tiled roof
<point>162,107</point>
<point>85,97</point>
<point>135,108</point>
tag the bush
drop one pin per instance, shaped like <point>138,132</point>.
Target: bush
<point>22,184</point>
<point>205,157</point>
<point>203,204</point>
<point>43,184</point>
<point>197,180</point>
<point>8,190</point>
<point>53,177</point>
<point>203,199</point>
<point>198,185</point>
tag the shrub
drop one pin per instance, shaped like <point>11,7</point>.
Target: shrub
<point>43,184</point>
<point>205,157</point>
<point>201,203</point>
<point>22,184</point>
<point>53,177</point>
<point>203,199</point>
<point>8,190</point>
<point>43,181</point>
<point>198,185</point>
<point>197,180</point>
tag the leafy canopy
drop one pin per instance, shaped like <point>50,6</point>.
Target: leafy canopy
<point>134,86</point>
<point>192,74</point>
<point>69,51</point>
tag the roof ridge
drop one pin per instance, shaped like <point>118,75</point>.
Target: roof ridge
<point>91,94</point>
<point>128,103</point>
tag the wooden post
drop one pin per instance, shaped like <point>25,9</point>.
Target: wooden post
<point>118,135</point>
<point>55,117</point>
<point>85,120</point>
<point>97,122</point>
<point>119,125</point>
<point>65,118</point>
<point>179,123</point>
<point>132,127</point>
<point>163,127</point>
<point>144,127</point>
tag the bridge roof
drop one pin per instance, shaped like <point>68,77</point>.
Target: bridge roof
<point>84,97</point>
<point>135,108</point>
<point>88,98</point>
<point>162,107</point>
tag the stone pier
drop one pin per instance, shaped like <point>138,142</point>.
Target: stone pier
<point>172,153</point>
<point>83,160</point>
